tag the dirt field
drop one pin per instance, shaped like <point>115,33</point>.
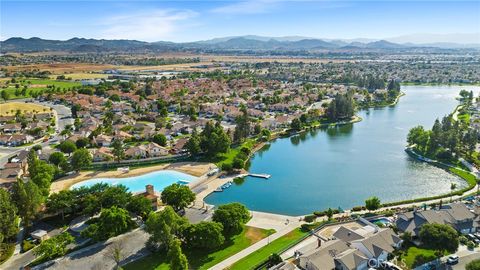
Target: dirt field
<point>7,108</point>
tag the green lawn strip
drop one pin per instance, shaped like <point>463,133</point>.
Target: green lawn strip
<point>416,256</point>
<point>275,246</point>
<point>232,153</point>
<point>199,259</point>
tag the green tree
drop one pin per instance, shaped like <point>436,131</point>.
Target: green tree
<point>67,147</point>
<point>56,158</point>
<point>118,150</point>
<point>204,235</point>
<point>62,202</point>
<point>8,216</point>
<point>296,124</point>
<point>160,139</point>
<point>242,128</point>
<point>178,260</point>
<point>439,236</point>
<point>232,216</point>
<point>193,144</point>
<point>54,247</point>
<point>81,158</point>
<point>163,226</point>
<point>140,206</point>
<point>372,203</point>
<point>115,196</point>
<point>178,196</point>
<point>112,222</point>
<point>28,198</point>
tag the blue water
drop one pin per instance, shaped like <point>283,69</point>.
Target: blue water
<point>159,180</point>
<point>343,166</point>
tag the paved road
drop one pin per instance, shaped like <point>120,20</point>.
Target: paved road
<point>18,261</point>
<point>98,256</point>
<point>464,261</point>
<point>64,118</point>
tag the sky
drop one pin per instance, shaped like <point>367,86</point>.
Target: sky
<point>182,21</point>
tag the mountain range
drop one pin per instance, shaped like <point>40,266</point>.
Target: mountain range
<point>236,43</point>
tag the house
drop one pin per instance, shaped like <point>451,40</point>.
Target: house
<point>179,146</point>
<point>11,128</point>
<point>456,215</point>
<point>102,154</point>
<point>155,150</point>
<point>350,249</point>
<point>19,139</point>
<point>136,152</point>
<point>102,140</point>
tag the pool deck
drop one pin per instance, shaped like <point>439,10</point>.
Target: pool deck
<point>197,169</point>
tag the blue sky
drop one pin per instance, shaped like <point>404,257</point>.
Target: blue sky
<point>199,20</point>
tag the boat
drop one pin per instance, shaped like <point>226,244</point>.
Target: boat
<point>219,189</point>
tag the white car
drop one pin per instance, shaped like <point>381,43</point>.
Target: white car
<point>452,259</point>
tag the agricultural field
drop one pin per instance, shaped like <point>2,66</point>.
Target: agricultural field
<point>24,88</point>
<point>8,108</point>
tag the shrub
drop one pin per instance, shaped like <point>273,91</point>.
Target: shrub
<point>470,245</point>
<point>6,251</point>
<point>310,218</point>
<point>319,213</point>
<point>227,167</point>
<point>463,240</point>
<point>27,245</point>
<point>358,208</point>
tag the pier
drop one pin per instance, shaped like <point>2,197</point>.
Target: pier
<point>266,176</point>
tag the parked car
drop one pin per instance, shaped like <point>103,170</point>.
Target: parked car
<point>471,236</point>
<point>452,259</point>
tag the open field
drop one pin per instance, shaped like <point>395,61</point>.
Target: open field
<point>82,76</point>
<point>7,108</point>
<point>199,259</point>
<point>35,85</point>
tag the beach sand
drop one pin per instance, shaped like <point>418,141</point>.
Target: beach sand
<point>193,168</point>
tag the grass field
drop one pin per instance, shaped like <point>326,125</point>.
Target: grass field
<point>37,85</point>
<point>199,259</point>
<point>8,108</point>
<point>262,254</point>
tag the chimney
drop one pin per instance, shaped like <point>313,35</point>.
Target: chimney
<point>150,189</point>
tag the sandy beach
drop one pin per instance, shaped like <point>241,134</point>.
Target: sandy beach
<point>193,168</point>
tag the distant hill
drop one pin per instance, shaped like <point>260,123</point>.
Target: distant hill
<point>251,43</point>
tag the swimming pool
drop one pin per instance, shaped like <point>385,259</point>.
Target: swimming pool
<point>383,221</point>
<point>159,180</point>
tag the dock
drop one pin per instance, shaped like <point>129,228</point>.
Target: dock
<point>259,175</point>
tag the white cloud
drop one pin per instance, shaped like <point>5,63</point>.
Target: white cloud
<point>246,7</point>
<point>152,25</point>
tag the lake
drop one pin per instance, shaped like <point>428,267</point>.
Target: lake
<point>343,166</point>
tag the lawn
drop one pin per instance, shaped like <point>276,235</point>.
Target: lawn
<point>233,152</point>
<point>262,254</point>
<point>7,108</point>
<point>415,256</point>
<point>199,259</point>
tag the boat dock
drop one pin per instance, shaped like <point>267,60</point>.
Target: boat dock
<point>266,176</point>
